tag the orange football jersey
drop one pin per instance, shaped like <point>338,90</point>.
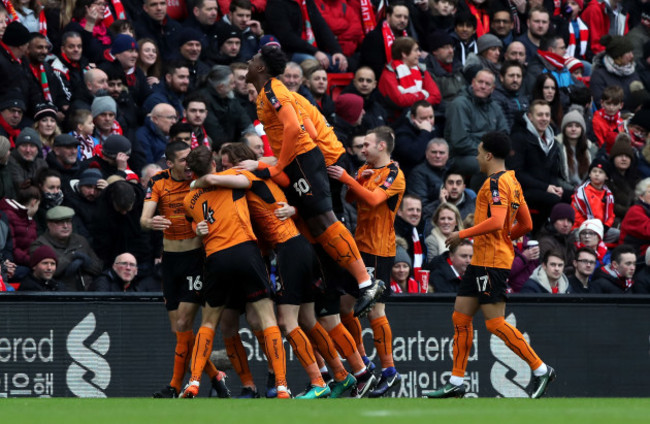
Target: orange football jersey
<point>169,194</point>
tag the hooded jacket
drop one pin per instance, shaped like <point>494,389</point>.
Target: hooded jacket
<point>538,283</point>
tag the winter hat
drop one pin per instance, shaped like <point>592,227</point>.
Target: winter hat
<point>226,32</point>
<point>65,140</point>
<point>29,135</point>
<point>115,144</point>
<point>486,41</point>
<point>402,255</point>
<point>90,177</point>
<point>41,253</point>
<point>12,99</point>
<point>5,146</point>
<point>348,107</point>
<point>103,104</point>
<point>269,40</point>
<point>44,110</point>
<point>581,3</point>
<point>573,64</point>
<point>59,213</point>
<point>574,116</point>
<point>189,34</point>
<point>622,146</point>
<point>616,46</point>
<point>602,164</point>
<point>593,225</point>
<point>16,35</point>
<point>439,39</point>
<point>122,43</point>
<point>641,118</point>
<point>562,211</point>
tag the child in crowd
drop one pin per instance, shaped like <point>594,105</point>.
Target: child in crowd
<point>607,119</point>
<point>443,12</point>
<point>464,36</point>
<point>590,235</point>
<point>82,122</point>
<point>593,200</point>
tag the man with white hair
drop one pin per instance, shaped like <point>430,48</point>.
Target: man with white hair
<point>226,120</point>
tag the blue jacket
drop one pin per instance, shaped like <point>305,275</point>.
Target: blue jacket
<point>152,140</point>
<point>162,93</point>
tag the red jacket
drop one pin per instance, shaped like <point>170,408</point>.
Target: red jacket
<point>605,129</point>
<point>597,19</point>
<point>388,87</point>
<point>635,228</point>
<point>591,203</point>
<point>344,19</point>
<point>23,229</point>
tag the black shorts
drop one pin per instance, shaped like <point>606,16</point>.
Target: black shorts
<point>336,188</point>
<point>238,272</point>
<point>488,284</point>
<point>327,289</point>
<point>181,276</point>
<point>309,188</point>
<point>295,271</point>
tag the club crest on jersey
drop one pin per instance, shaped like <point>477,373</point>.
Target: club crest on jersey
<point>495,197</point>
<point>389,181</point>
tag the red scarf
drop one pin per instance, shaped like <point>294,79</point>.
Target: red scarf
<point>557,7</point>
<point>412,286</point>
<point>11,12</point>
<point>389,38</point>
<point>409,80</point>
<point>613,121</point>
<point>307,32</point>
<point>554,59</point>
<point>42,23</point>
<point>41,76</point>
<point>446,66</point>
<point>119,12</point>
<point>259,129</point>
<point>99,31</point>
<point>601,249</point>
<point>482,19</point>
<point>86,146</point>
<point>195,141</point>
<point>417,252</point>
<point>72,64</point>
<point>131,79</point>
<point>9,52</point>
<point>13,132</point>
<point>583,36</point>
<point>368,16</point>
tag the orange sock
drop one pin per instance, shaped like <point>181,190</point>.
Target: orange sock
<point>323,342</point>
<point>340,245</point>
<point>353,325</point>
<point>319,358</point>
<point>305,354</point>
<point>239,360</point>
<point>463,336</point>
<point>514,340</point>
<point>275,354</point>
<point>383,337</point>
<point>184,342</point>
<point>347,348</point>
<point>201,352</point>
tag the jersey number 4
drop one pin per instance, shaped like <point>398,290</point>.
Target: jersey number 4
<point>208,213</point>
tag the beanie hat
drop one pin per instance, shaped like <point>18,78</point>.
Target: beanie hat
<point>103,104</point>
<point>348,107</point>
<point>402,255</point>
<point>5,145</point>
<point>641,118</point>
<point>581,3</point>
<point>593,225</point>
<point>44,110</point>
<point>115,144</point>
<point>16,35</point>
<point>562,211</point>
<point>573,64</point>
<point>622,146</point>
<point>29,135</point>
<point>90,177</point>
<point>122,43</point>
<point>41,253</point>
<point>602,164</point>
<point>226,32</point>
<point>439,39</point>
<point>189,34</point>
<point>574,116</point>
<point>269,40</point>
<point>486,41</point>
<point>13,98</point>
<point>616,46</point>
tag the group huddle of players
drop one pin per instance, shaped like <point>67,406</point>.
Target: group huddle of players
<point>216,228</point>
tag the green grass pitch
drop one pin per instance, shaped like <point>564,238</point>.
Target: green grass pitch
<point>329,411</point>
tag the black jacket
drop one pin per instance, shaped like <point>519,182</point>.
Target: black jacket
<point>31,283</point>
<point>109,281</point>
<point>226,120</point>
<point>165,36</point>
<point>443,279</point>
<point>604,282</point>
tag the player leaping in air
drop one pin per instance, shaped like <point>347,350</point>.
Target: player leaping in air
<point>302,161</point>
<point>499,203</point>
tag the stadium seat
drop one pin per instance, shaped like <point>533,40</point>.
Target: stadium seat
<point>337,82</point>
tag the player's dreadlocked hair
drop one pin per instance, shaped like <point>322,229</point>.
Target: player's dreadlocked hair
<point>274,59</point>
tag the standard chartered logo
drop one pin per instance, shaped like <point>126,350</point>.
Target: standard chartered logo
<point>88,359</point>
<point>510,374</point>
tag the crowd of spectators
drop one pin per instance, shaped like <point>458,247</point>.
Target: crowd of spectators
<point>93,91</point>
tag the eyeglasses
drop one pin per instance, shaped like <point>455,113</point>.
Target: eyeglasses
<point>170,117</point>
<point>586,261</point>
<point>588,234</point>
<point>127,264</point>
